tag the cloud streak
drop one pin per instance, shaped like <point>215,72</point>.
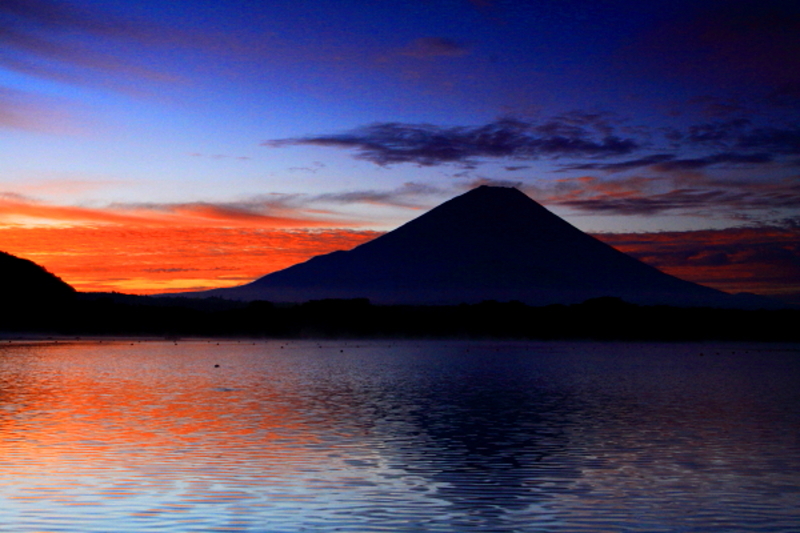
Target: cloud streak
<point>409,194</point>
<point>430,145</point>
<point>434,48</point>
<point>763,260</point>
<point>268,211</point>
<point>671,162</point>
<point>279,212</point>
<point>705,169</point>
<point>23,110</point>
<point>121,258</point>
<point>649,196</point>
<point>733,143</point>
<point>59,41</point>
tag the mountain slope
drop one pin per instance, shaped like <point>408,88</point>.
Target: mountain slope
<point>25,281</point>
<point>489,243</point>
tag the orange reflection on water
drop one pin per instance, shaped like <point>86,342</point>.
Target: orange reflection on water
<point>77,409</point>
<point>125,437</point>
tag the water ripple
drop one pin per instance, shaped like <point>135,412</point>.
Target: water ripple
<point>403,436</point>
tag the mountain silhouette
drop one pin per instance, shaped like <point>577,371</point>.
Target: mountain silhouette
<point>491,243</point>
<point>26,282</point>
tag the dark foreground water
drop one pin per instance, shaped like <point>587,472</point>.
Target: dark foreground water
<point>399,436</point>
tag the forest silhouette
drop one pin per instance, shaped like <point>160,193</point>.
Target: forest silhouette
<point>607,318</point>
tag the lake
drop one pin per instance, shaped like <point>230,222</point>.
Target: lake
<point>419,436</point>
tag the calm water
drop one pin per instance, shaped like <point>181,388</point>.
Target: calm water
<point>399,436</point>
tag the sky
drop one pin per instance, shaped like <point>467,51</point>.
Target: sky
<point>153,146</point>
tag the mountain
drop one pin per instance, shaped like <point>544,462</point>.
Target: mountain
<point>24,281</point>
<point>491,243</point>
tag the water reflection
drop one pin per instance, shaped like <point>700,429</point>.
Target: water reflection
<point>425,436</point>
<point>483,429</point>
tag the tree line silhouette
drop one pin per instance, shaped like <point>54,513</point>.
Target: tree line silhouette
<point>600,318</point>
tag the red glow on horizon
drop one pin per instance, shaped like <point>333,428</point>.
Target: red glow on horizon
<point>150,260</point>
<point>759,260</point>
<point>158,260</point>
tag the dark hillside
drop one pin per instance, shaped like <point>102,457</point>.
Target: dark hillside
<point>24,280</point>
<point>30,296</point>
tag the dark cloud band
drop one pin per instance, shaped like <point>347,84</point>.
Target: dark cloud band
<point>428,145</point>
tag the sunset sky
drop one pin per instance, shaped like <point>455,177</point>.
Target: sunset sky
<point>152,146</point>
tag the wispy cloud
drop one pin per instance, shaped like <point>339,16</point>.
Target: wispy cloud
<point>728,144</point>
<point>276,212</point>
<point>717,134</point>
<point>63,42</point>
<point>313,168</point>
<point>587,141</point>
<point>492,182</point>
<point>121,257</point>
<point>742,136</point>
<point>620,166</point>
<point>267,211</point>
<point>429,145</point>
<point>409,194</point>
<point>433,48</point>
<point>23,110</point>
<point>714,168</point>
<point>697,195</point>
<point>723,159</point>
<point>60,41</point>
<point>671,162</point>
<point>764,260</point>
<point>221,156</point>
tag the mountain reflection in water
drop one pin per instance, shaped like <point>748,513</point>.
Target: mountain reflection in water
<point>399,436</point>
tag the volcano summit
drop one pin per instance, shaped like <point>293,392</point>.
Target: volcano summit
<point>491,243</point>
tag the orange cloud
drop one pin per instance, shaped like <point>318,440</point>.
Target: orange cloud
<point>179,247</point>
<point>762,260</point>
<point>16,209</point>
<point>148,260</point>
